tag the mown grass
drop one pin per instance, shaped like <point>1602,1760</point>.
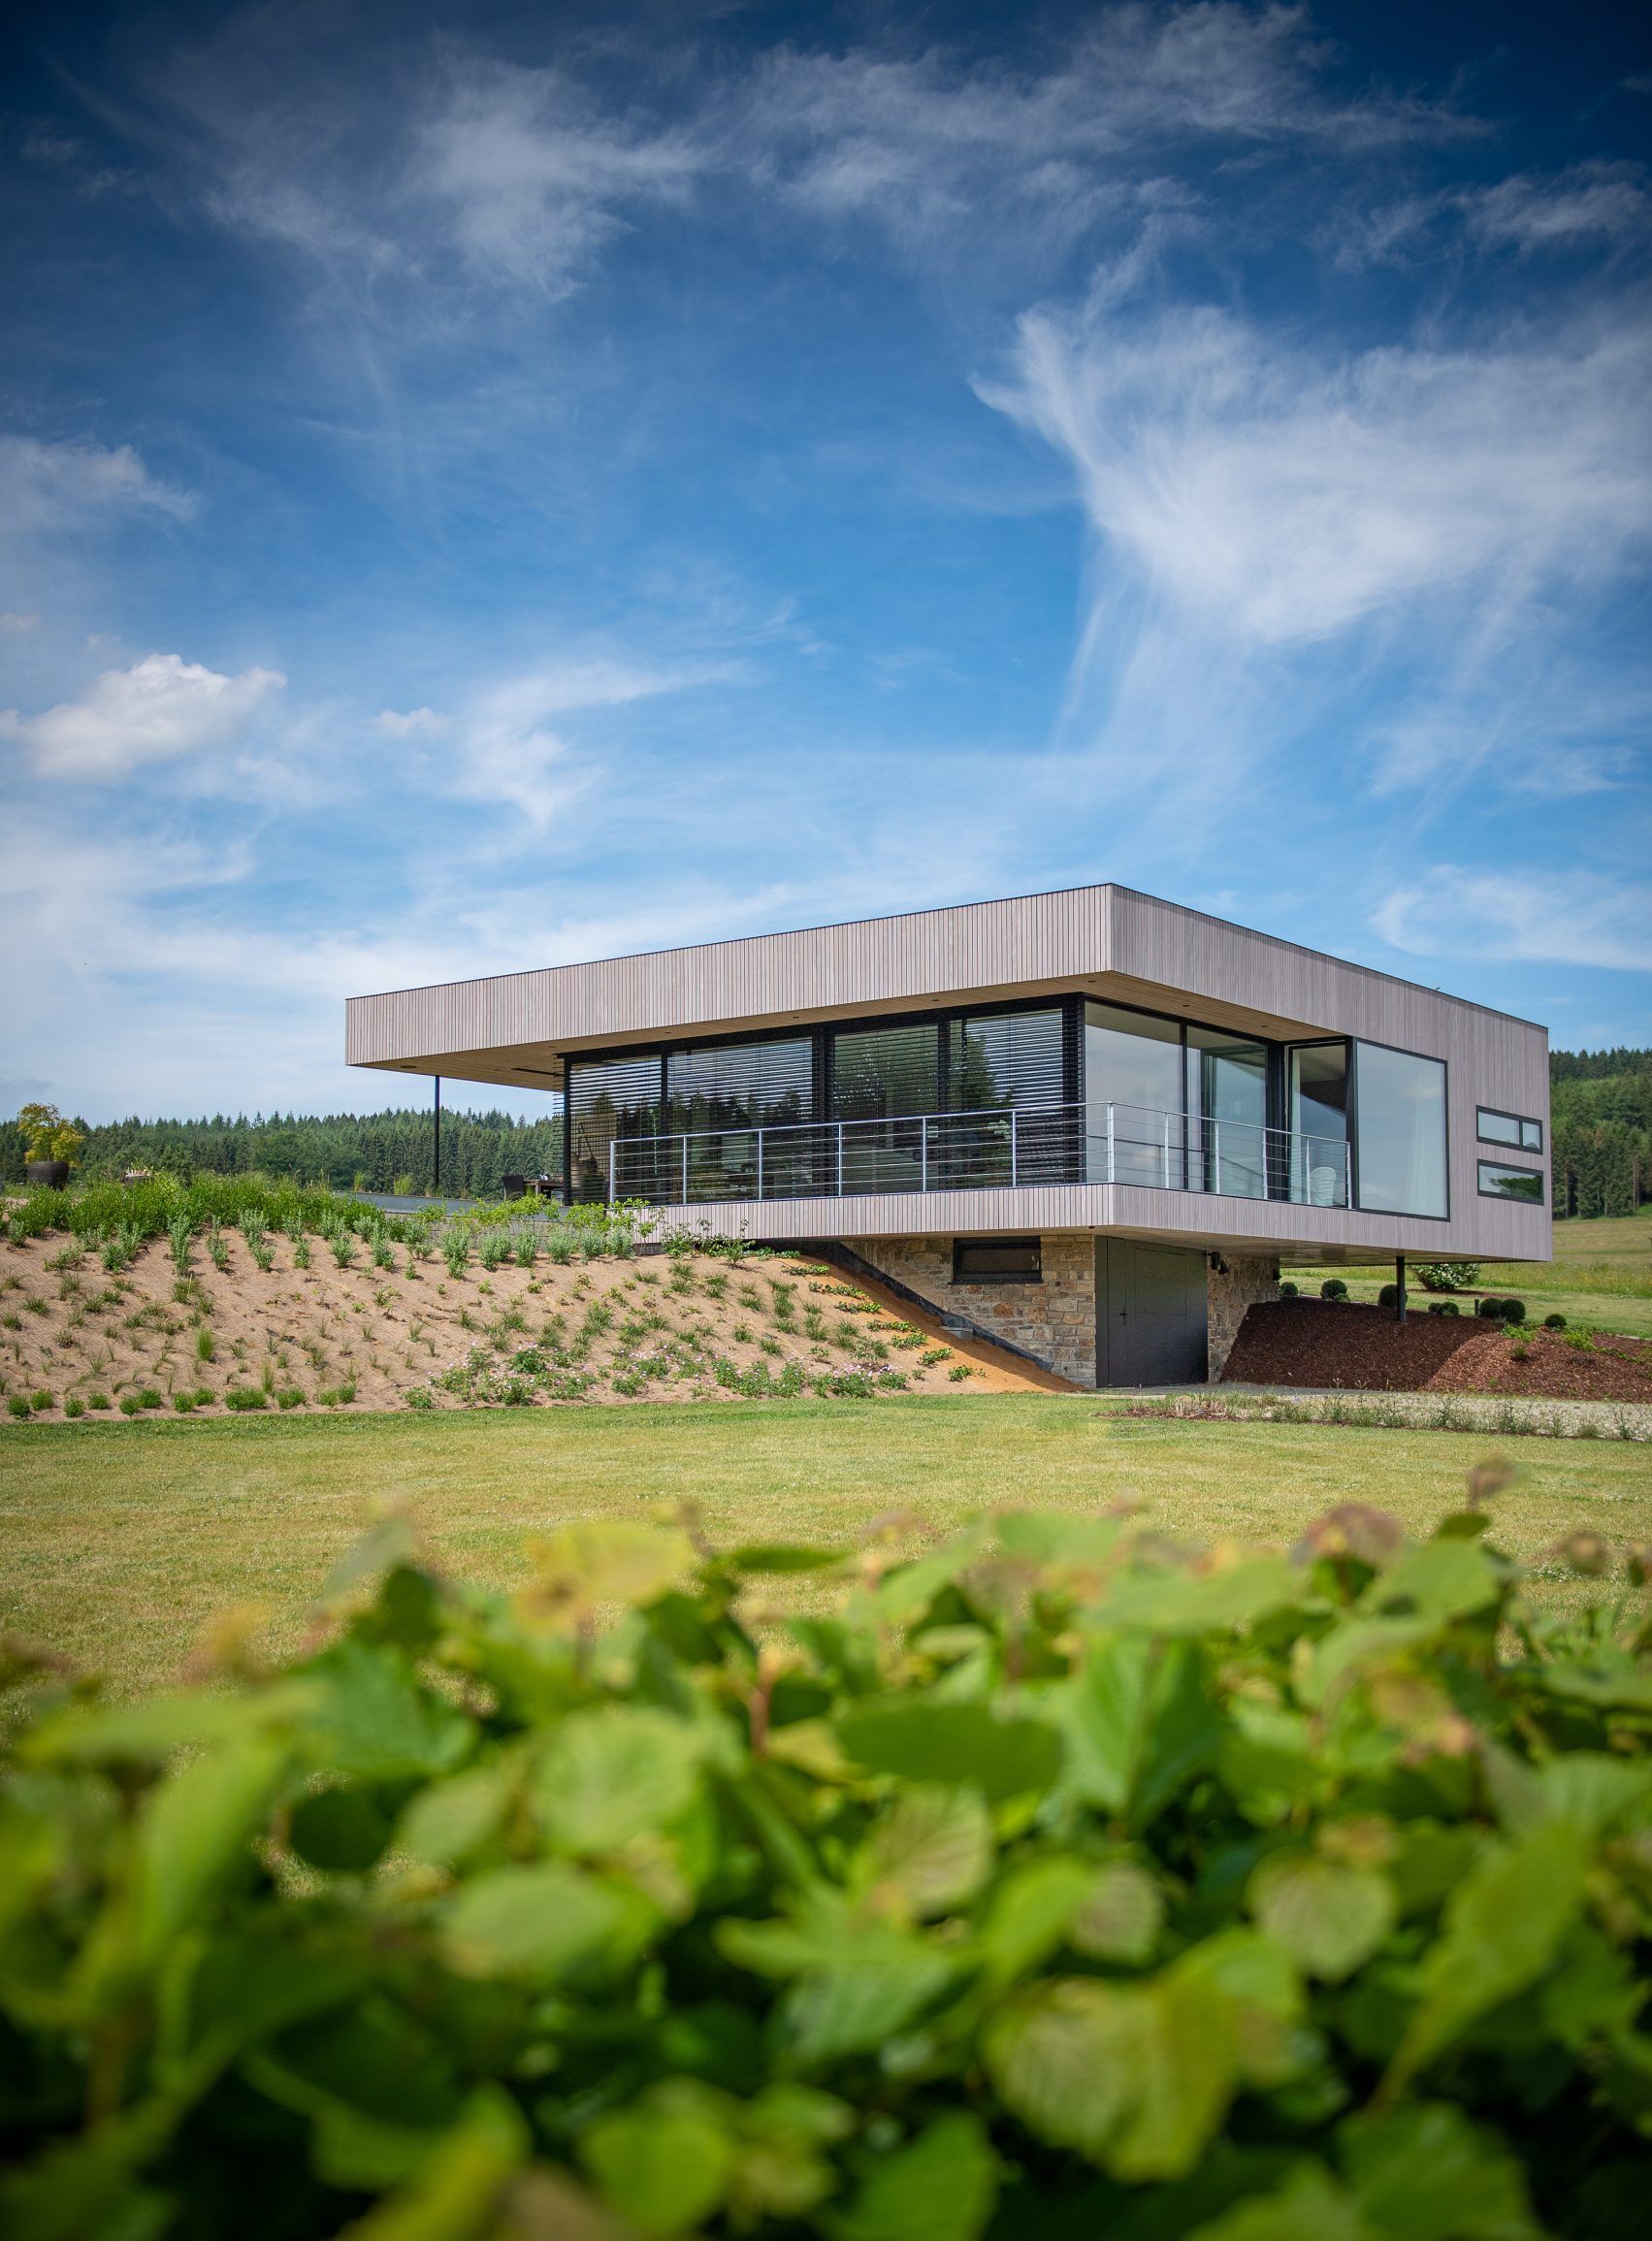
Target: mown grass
<point>122,1540</point>
<point>1599,1279</point>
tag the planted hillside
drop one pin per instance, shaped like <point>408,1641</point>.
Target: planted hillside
<point>1051,1881</point>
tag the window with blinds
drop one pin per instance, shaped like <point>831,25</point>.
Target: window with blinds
<point>1004,1059</point>
<point>880,1073</point>
<point>615,1099</point>
<point>741,1086</point>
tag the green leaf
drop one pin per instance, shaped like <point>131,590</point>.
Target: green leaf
<point>340,1831</point>
<point>616,1560</point>
<point>1436,1580</point>
<point>1307,2206</point>
<point>662,2169</point>
<point>1063,1537</point>
<point>375,1722</point>
<point>942,2188</point>
<point>1327,1917</point>
<point>1593,1791</point>
<point>1428,2174</point>
<point>544,1923</point>
<point>196,1836</point>
<point>1121,1915</point>
<point>934,1846</point>
<point>447,1822</point>
<point>1139,1722</point>
<point>860,1978</point>
<point>1060,2059</point>
<point>457,2188</point>
<point>1030,1912</point>
<point>1502,1926</point>
<point>613,1774</point>
<point>1169,1602</point>
<point>952,1743</point>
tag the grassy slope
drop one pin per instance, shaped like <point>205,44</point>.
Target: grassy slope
<point>120,1540</point>
<point>1601,1276</point>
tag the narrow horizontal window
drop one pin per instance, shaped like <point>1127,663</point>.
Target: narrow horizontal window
<point>1494,1128</point>
<point>1522,1182</point>
<point>997,1260</point>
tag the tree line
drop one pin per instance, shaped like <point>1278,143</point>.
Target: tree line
<point>388,1152</point>
<point>1601,1130</point>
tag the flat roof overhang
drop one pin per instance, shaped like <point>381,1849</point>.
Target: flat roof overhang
<point>517,1030</point>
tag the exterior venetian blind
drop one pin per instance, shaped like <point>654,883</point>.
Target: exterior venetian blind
<point>1005,1058</point>
<point>618,1097</point>
<point>767,1085</point>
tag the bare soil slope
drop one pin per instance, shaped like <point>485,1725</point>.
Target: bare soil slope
<point>78,1339</point>
<point>1364,1350</point>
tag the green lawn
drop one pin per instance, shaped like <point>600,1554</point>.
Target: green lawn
<point>120,1540</point>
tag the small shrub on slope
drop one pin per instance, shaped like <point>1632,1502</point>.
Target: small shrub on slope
<point>1059,1884</point>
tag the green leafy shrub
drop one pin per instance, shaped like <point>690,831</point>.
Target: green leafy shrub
<point>245,1398</point>
<point>1291,1291</point>
<point>1388,1296</point>
<point>1333,1287</point>
<point>1444,1307</point>
<point>1497,1310</point>
<point>1447,1275</point>
<point>73,1406</point>
<point>1056,1885</point>
<point>1514,1311</point>
<point>1554,1322</point>
<point>97,1400</point>
<point>18,1405</point>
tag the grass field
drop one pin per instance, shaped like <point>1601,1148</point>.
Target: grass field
<point>122,1539</point>
<point>1600,1277</point>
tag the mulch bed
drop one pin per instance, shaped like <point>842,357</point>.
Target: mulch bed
<point>1364,1350</point>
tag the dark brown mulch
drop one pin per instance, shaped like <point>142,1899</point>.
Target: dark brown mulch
<point>1364,1350</point>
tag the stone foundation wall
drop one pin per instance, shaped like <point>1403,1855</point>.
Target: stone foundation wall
<point>1054,1321</point>
<point>1250,1279</point>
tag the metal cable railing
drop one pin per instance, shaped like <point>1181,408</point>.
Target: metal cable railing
<point>1003,1146</point>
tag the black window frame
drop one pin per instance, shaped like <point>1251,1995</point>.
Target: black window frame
<point>1521,1121</point>
<point>964,1245</point>
<point>1536,1174</point>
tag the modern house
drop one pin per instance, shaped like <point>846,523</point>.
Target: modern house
<point>1087,1124</point>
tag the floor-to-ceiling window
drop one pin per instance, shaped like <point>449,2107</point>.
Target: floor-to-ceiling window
<point>719,1095</point>
<point>1400,1131</point>
<point>611,1103</point>
<point>1134,1095</point>
<point>883,1075</point>
<point>999,1062</point>
<point>1317,1085</point>
<point>1227,1107</point>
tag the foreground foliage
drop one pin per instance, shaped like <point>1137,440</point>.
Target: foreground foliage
<point>1060,1884</point>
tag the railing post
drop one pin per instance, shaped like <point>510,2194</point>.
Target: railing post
<point>1348,1175</point>
<point>1110,1140</point>
<point>840,1160</point>
<point>1013,1147</point>
<point>924,1152</point>
<point>613,1146</point>
<point>759,1167</point>
<point>1167,1151</point>
<point>1217,1156</point>
<point>685,1171</point>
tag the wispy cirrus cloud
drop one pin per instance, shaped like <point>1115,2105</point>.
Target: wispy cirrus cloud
<point>1573,918</point>
<point>46,488</point>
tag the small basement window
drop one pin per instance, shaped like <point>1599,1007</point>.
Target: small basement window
<point>997,1260</point>
<point>1522,1182</point>
<point>1494,1127</point>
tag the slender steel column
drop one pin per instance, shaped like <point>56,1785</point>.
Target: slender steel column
<point>435,1112</point>
<point>1400,1285</point>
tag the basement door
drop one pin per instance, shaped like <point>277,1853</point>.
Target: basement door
<point>1149,1315</point>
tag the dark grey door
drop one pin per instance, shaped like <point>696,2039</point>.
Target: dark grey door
<point>1151,1321</point>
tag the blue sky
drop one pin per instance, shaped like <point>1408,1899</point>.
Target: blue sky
<point>490,487</point>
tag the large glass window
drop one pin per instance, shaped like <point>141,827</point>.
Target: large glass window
<point>1400,1131</point>
<point>615,1101</point>
<point>720,1097</point>
<point>1227,1107</point>
<point>1318,1092</point>
<point>880,1072</point>
<point>1522,1182</point>
<point>1134,1096</point>
<point>1004,1059</point>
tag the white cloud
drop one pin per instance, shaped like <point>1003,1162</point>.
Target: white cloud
<point>13,626</point>
<point>1604,199</point>
<point>410,723</point>
<point>533,177</point>
<point>1540,917</point>
<point>161,707</point>
<point>57,486</point>
<point>1281,498</point>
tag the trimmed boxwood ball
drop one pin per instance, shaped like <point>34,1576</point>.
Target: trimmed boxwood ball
<point>1444,1307</point>
<point>1554,1322</point>
<point>1290,1291</point>
<point>1388,1296</point>
<point>1513,1311</point>
<point>1489,1309</point>
<point>1333,1287</point>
